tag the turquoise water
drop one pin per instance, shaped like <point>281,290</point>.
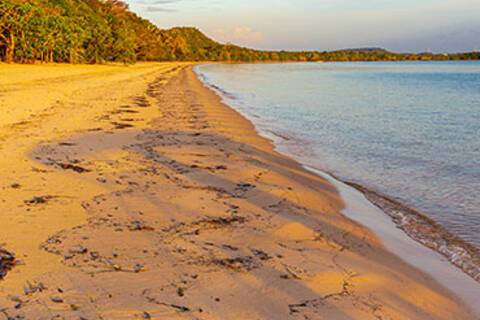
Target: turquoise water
<point>408,130</point>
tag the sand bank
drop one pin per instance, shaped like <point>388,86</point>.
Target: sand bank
<point>133,192</point>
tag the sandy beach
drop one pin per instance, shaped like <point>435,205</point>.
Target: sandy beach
<point>133,192</point>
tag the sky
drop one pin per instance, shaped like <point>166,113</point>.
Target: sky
<point>397,25</point>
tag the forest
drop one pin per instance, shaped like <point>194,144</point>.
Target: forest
<point>100,31</point>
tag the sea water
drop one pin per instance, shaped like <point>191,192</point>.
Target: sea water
<point>407,130</point>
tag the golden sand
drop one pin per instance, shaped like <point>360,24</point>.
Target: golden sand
<point>132,192</point>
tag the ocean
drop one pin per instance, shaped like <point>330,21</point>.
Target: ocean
<point>409,131</point>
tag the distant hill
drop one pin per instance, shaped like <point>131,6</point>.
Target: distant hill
<point>98,31</point>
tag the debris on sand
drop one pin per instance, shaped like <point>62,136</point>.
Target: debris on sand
<point>180,292</point>
<point>119,125</point>
<point>138,225</point>
<point>66,144</point>
<point>141,102</point>
<point>7,262</point>
<point>56,299</point>
<point>246,263</point>
<point>39,200</point>
<point>262,255</point>
<point>242,188</point>
<point>73,167</point>
<point>31,288</point>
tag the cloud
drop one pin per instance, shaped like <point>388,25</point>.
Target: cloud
<point>407,25</point>
<point>157,5</point>
<point>158,9</point>
<point>168,5</point>
<point>247,34</point>
<point>155,2</point>
<point>241,35</point>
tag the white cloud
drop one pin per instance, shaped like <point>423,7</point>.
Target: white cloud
<point>241,35</point>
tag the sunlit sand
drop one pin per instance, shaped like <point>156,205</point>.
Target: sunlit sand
<point>132,192</point>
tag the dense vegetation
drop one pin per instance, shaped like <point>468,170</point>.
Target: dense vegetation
<point>97,31</point>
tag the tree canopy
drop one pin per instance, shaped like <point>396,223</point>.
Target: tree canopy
<point>98,31</point>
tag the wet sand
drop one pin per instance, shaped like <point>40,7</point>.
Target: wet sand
<point>134,193</point>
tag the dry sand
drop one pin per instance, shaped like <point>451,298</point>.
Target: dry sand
<point>134,193</point>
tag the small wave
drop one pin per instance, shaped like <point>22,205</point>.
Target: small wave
<point>224,93</point>
<point>280,135</point>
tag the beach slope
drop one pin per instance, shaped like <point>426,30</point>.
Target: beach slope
<point>132,192</point>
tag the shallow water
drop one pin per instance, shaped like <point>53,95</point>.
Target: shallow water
<point>408,130</point>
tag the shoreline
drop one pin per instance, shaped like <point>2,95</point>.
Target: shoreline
<point>160,201</point>
<point>425,232</point>
<point>416,225</point>
<point>398,241</point>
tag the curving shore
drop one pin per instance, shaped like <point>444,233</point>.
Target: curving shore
<point>284,129</point>
<point>134,192</point>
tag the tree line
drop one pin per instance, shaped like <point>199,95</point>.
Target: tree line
<point>99,31</point>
